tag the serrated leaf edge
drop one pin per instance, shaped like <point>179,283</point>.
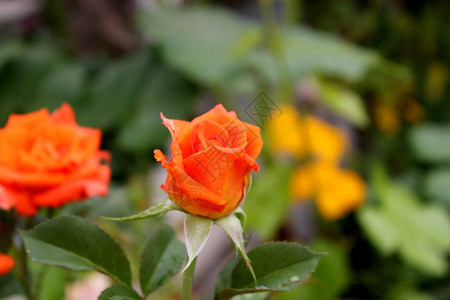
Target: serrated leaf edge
<point>163,206</point>
<point>99,269</point>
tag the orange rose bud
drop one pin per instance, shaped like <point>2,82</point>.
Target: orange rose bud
<point>212,157</point>
<point>47,160</point>
<point>6,264</point>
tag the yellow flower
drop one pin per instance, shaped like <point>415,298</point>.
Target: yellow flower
<point>303,136</point>
<point>337,191</point>
<point>387,118</point>
<point>413,112</point>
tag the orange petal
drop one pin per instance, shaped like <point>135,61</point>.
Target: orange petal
<point>8,198</point>
<point>69,192</point>
<point>254,140</point>
<point>16,198</point>
<point>173,127</point>
<point>28,120</point>
<point>221,172</point>
<point>217,114</point>
<point>64,114</point>
<point>6,264</point>
<point>186,192</point>
<point>24,205</point>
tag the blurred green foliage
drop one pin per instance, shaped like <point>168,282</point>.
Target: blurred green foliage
<point>359,55</point>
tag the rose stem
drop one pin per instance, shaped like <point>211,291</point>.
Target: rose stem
<point>24,263</point>
<point>188,278</point>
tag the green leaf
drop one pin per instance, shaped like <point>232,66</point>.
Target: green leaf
<point>430,142</point>
<point>212,33</point>
<point>278,267</point>
<point>414,230</point>
<point>309,51</point>
<point>436,185</point>
<point>10,285</point>
<point>224,279</point>
<point>9,51</point>
<point>344,102</point>
<point>52,283</point>
<point>154,211</point>
<point>233,228</point>
<point>20,83</point>
<point>63,84</point>
<point>411,294</point>
<point>162,258</point>
<point>114,91</point>
<point>224,47</point>
<point>115,204</point>
<point>119,292</point>
<point>141,132</point>
<point>77,244</point>
<point>255,296</point>
<point>379,229</point>
<point>196,231</point>
<point>268,202</point>
<point>333,271</point>
<point>330,279</point>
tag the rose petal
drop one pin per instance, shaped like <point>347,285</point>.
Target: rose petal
<point>186,192</point>
<point>173,127</point>
<point>236,136</point>
<point>28,120</point>
<point>254,140</point>
<point>209,167</point>
<point>72,191</point>
<point>24,205</point>
<point>8,198</point>
<point>64,115</point>
<point>6,264</point>
<point>19,199</point>
<point>222,172</point>
<point>218,114</point>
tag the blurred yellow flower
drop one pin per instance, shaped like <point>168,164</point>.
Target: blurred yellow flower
<point>303,136</point>
<point>387,118</point>
<point>413,112</point>
<point>336,191</point>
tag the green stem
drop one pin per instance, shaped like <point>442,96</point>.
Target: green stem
<point>275,45</point>
<point>6,238</point>
<point>24,270</point>
<point>25,276</point>
<point>188,278</point>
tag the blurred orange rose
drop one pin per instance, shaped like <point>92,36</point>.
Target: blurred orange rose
<point>6,264</point>
<point>212,157</point>
<point>48,160</point>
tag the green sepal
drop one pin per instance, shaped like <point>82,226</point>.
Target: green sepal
<point>154,211</point>
<point>232,225</point>
<point>241,215</point>
<point>196,231</point>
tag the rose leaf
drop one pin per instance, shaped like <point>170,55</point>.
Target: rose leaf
<point>77,244</point>
<point>162,258</point>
